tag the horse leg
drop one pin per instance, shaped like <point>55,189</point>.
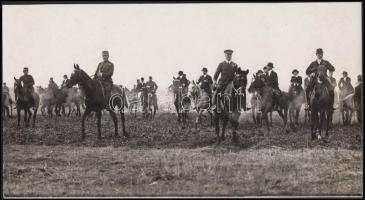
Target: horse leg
<point>115,121</point>
<point>270,119</point>
<point>34,116</point>
<point>254,116</point>
<point>225,122</point>
<point>98,117</point>
<point>18,115</point>
<point>25,117</point>
<point>69,110</point>
<point>234,122</point>
<point>29,117</point>
<point>122,118</point>
<point>314,117</point>
<point>217,128</point>
<point>86,113</point>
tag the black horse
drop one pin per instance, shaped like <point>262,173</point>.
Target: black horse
<point>268,94</point>
<point>95,100</point>
<point>25,100</point>
<point>297,99</point>
<point>230,104</point>
<point>321,108</point>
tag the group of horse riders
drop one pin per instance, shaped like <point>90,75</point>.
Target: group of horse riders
<point>226,70</point>
<point>144,88</point>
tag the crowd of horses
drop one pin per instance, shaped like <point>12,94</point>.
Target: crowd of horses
<point>89,96</point>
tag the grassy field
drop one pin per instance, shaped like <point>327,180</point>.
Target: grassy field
<point>161,158</point>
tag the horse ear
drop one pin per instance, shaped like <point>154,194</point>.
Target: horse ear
<point>74,66</point>
<point>77,65</point>
<point>14,78</point>
<point>246,72</point>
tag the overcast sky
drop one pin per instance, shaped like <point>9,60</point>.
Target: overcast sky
<point>160,39</point>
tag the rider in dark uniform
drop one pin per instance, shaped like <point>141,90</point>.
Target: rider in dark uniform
<point>184,81</point>
<point>320,66</point>
<point>226,70</point>
<point>206,82</point>
<point>296,79</point>
<point>104,74</point>
<point>28,83</point>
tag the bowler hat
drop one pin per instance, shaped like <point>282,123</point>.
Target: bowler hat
<point>344,72</point>
<point>270,65</point>
<point>204,69</point>
<point>319,51</point>
<point>228,51</point>
<point>295,71</point>
<point>180,72</point>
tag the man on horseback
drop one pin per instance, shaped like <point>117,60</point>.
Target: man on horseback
<point>226,70</point>
<point>345,83</point>
<point>28,83</point>
<point>184,81</point>
<point>206,82</point>
<point>52,86</point>
<point>6,91</point>
<point>152,87</point>
<point>316,68</point>
<point>144,94</point>
<point>65,81</point>
<point>272,81</point>
<point>104,74</point>
<point>296,80</point>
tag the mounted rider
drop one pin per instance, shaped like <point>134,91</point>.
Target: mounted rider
<point>345,83</point>
<point>296,80</point>
<point>271,80</point>
<point>144,93</point>
<point>152,88</point>
<point>104,74</point>
<point>206,82</point>
<point>184,81</point>
<point>6,91</point>
<point>65,81</point>
<point>28,83</point>
<point>227,70</point>
<point>317,67</point>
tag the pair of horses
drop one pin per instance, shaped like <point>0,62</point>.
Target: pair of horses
<point>58,99</point>
<point>350,103</point>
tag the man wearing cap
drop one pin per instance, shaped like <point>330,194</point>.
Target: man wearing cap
<point>226,70</point>
<point>152,87</point>
<point>28,83</point>
<point>206,81</point>
<point>345,83</point>
<point>65,81</point>
<point>316,67</point>
<point>104,73</point>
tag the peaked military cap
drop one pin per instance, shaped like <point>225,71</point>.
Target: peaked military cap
<point>228,51</point>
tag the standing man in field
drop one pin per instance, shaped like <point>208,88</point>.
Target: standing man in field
<point>152,88</point>
<point>320,66</point>
<point>104,74</point>
<point>226,70</point>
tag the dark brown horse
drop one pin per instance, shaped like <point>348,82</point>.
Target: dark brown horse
<point>231,101</point>
<point>321,108</point>
<point>297,99</point>
<point>267,95</point>
<point>95,100</point>
<point>182,101</point>
<point>25,100</point>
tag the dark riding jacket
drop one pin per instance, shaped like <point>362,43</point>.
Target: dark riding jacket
<point>227,71</point>
<point>27,80</point>
<point>206,82</point>
<point>296,79</point>
<point>324,65</point>
<point>272,80</point>
<point>151,86</point>
<point>345,83</point>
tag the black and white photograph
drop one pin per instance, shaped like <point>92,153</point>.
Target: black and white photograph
<point>139,99</point>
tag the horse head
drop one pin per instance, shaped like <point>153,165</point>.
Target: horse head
<point>79,76</point>
<point>256,85</point>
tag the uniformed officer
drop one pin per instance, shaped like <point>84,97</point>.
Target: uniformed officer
<point>152,87</point>
<point>320,66</point>
<point>206,81</point>
<point>345,83</point>
<point>65,81</point>
<point>226,70</point>
<point>104,73</point>
<point>28,83</point>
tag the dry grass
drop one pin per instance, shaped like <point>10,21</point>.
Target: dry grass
<point>163,159</point>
